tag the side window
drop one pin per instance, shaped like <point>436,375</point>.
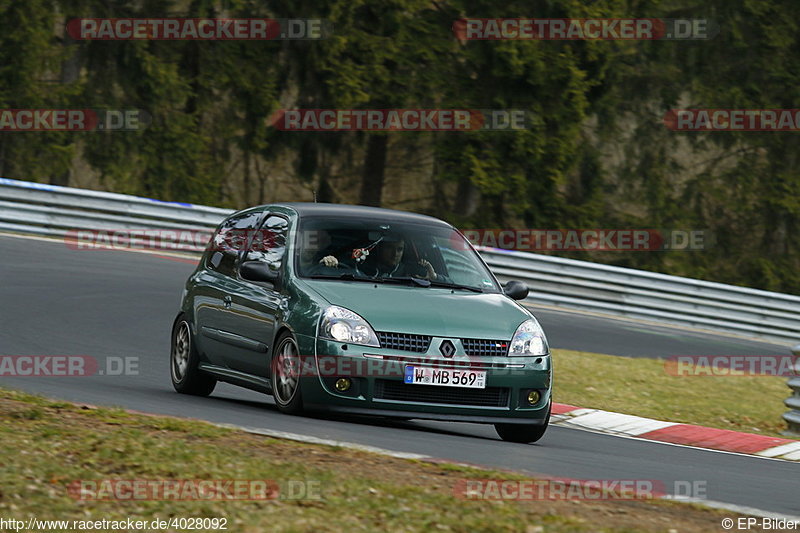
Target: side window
<point>268,244</point>
<point>230,240</point>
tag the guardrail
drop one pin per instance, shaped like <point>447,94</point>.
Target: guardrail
<point>43,209</point>
<point>792,417</point>
<point>649,295</point>
<point>52,210</point>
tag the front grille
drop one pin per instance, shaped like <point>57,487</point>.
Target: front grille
<point>404,341</point>
<point>478,347</point>
<point>402,392</point>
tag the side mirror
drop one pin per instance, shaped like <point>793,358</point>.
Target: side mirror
<point>516,290</point>
<point>258,271</point>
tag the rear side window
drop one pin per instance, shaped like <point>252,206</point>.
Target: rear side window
<point>230,240</point>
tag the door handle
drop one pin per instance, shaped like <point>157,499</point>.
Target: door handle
<point>227,302</point>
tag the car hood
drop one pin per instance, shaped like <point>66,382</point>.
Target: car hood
<point>426,310</point>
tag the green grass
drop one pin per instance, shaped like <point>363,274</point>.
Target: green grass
<point>45,446</point>
<point>642,387</point>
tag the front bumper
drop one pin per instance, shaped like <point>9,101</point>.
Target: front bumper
<point>377,386</point>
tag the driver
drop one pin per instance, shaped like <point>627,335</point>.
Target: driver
<point>315,244</point>
<point>386,261</point>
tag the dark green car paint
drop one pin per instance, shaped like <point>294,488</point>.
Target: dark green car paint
<point>236,322</point>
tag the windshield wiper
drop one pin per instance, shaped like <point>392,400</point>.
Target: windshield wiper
<point>347,276</point>
<point>422,282</point>
<point>454,286</point>
<point>405,279</point>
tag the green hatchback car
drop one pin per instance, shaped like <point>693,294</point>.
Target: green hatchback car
<point>364,311</point>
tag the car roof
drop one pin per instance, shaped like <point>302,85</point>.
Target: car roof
<point>309,209</point>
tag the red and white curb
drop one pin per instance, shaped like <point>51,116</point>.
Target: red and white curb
<point>674,433</point>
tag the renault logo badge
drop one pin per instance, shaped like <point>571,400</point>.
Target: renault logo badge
<point>447,349</point>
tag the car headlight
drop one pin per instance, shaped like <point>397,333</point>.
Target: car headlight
<point>529,340</point>
<point>343,325</point>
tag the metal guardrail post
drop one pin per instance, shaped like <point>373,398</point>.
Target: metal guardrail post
<point>793,402</point>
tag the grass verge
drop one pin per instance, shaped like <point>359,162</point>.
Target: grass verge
<point>642,387</point>
<point>46,445</point>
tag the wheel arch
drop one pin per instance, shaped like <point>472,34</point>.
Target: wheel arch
<point>283,328</point>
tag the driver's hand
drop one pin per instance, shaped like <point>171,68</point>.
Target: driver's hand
<point>329,261</point>
<point>430,273</point>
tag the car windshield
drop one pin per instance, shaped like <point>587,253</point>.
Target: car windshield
<point>422,255</point>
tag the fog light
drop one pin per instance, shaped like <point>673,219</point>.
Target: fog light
<point>342,384</point>
<point>533,397</point>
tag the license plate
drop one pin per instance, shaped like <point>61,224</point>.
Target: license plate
<point>446,377</point>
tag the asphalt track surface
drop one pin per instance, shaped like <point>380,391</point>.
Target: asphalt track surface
<point>59,301</point>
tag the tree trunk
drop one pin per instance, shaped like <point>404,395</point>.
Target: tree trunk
<point>70,73</point>
<point>467,198</point>
<point>374,170</point>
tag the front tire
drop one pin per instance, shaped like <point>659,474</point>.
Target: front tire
<point>522,433</point>
<point>184,360</point>
<point>286,374</point>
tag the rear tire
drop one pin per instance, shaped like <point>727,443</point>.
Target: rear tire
<point>286,374</point>
<point>184,359</point>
